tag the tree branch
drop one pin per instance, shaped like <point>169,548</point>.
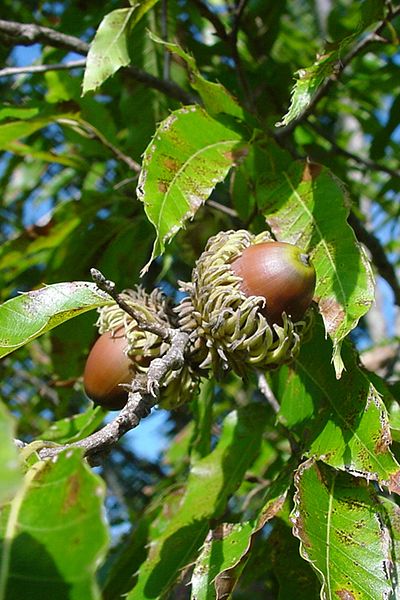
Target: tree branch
<point>366,162</point>
<point>26,34</point>
<point>73,64</point>
<point>324,89</point>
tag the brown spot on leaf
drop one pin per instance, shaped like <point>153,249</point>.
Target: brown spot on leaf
<point>345,595</point>
<point>311,171</point>
<point>73,487</point>
<point>394,482</point>
<point>236,155</point>
<point>384,440</point>
<point>332,313</point>
<point>171,164</point>
<point>162,187</point>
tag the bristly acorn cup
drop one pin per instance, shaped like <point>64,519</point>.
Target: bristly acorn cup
<point>246,308</point>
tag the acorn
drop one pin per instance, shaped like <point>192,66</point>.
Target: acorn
<point>279,272</point>
<point>107,367</point>
<point>246,304</point>
<point>123,351</point>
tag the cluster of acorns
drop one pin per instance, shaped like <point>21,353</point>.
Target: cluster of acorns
<point>246,308</point>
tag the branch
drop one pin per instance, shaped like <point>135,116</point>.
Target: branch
<point>324,89</point>
<point>139,405</point>
<point>366,162</point>
<point>26,34</point>
<point>213,18</point>
<point>73,64</point>
<point>96,134</point>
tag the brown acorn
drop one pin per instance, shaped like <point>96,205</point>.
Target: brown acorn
<point>108,366</point>
<point>279,272</point>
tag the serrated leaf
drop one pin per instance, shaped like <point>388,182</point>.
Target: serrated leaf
<point>10,471</point>
<point>216,98</point>
<point>338,520</point>
<point>341,422</point>
<point>307,206</point>
<point>53,533</point>
<point>190,153</point>
<point>31,314</point>
<point>109,49</point>
<point>211,481</point>
<point>310,79</point>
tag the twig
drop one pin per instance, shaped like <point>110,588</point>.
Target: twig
<point>366,162</point>
<point>213,18</point>
<point>108,286</point>
<point>139,405</point>
<point>266,391</point>
<point>324,89</point>
<point>73,64</point>
<point>269,395</point>
<point>93,132</point>
<point>233,39</point>
<point>26,34</point>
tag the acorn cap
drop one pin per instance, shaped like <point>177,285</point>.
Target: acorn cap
<point>228,328</point>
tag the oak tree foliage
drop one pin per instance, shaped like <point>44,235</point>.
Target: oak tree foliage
<point>130,133</point>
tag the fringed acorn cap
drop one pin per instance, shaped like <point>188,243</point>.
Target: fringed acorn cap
<point>227,328</point>
<point>143,346</point>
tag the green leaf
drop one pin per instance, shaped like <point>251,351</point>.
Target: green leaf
<point>53,533</point>
<point>211,481</point>
<point>10,471</point>
<point>15,112</point>
<point>228,547</point>
<point>77,427</point>
<point>31,314</point>
<point>181,169</point>
<point>310,79</point>
<point>216,98</point>
<point>307,206</point>
<point>336,517</point>
<point>9,132</point>
<point>295,579</point>
<point>109,48</point>
<point>342,422</point>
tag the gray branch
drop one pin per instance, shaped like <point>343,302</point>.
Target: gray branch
<point>73,64</point>
<point>156,327</point>
<point>26,34</point>
<point>138,406</point>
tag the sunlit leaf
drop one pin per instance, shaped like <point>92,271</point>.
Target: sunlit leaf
<point>53,533</point>
<point>27,316</point>
<point>216,98</point>
<point>181,169</point>
<point>310,79</point>
<point>337,519</point>
<point>109,48</point>
<point>342,422</point>
<point>10,472</point>
<point>306,205</point>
